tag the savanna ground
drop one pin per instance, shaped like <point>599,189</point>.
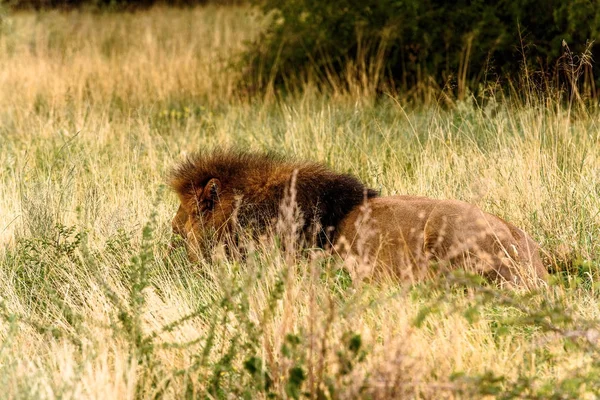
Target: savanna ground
<point>94,110</point>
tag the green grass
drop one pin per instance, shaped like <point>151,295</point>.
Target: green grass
<point>95,109</point>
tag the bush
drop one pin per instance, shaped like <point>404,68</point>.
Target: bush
<point>112,5</point>
<point>461,43</point>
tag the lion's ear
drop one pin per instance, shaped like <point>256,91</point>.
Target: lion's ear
<point>211,192</point>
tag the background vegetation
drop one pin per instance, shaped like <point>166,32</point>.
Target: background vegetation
<point>109,5</point>
<point>455,46</point>
<point>94,110</point>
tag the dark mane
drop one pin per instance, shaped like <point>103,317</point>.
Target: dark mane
<point>323,196</point>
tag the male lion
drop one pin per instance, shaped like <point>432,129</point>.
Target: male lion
<point>407,235</point>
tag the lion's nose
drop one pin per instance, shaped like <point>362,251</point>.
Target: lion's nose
<point>175,228</point>
<point>177,239</point>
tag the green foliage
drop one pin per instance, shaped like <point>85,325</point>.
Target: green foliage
<point>43,271</point>
<point>512,313</point>
<point>458,44</point>
<point>294,384</point>
<point>260,377</point>
<point>351,354</point>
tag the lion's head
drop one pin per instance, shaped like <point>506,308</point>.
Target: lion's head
<point>226,190</point>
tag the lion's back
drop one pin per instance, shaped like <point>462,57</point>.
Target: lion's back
<point>408,233</point>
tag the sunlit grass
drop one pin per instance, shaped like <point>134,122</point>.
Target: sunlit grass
<point>94,110</point>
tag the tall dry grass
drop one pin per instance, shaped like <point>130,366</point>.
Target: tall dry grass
<point>95,108</point>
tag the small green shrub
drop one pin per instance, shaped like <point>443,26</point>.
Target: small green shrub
<point>523,313</point>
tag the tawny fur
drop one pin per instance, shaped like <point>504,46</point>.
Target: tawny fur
<point>410,234</point>
<point>406,235</point>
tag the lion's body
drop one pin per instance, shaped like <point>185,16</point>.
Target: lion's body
<point>405,234</point>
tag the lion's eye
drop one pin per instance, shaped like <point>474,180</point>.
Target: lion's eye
<point>202,208</point>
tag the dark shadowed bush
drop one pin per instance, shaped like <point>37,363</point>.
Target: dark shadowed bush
<point>112,5</point>
<point>456,44</point>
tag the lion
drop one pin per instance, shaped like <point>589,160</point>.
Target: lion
<point>412,237</point>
